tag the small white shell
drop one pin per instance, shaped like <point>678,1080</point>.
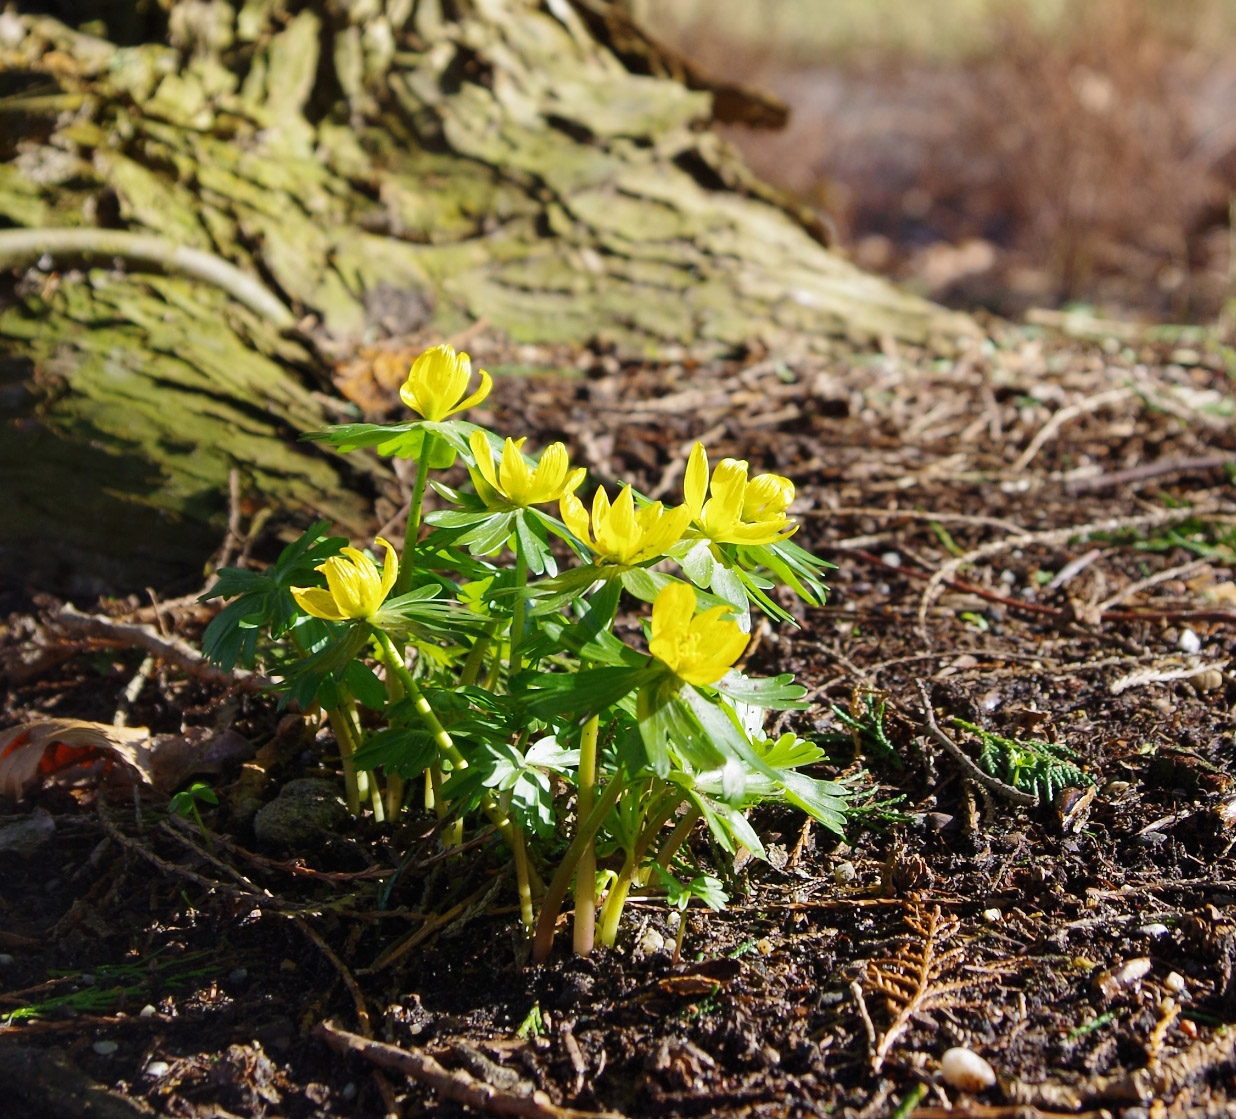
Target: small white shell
<point>966,1070</point>
<point>1175,982</point>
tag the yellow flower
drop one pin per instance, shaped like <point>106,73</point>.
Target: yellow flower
<point>699,650</point>
<point>738,511</point>
<point>514,483</point>
<point>624,534</point>
<point>355,586</point>
<point>437,380</point>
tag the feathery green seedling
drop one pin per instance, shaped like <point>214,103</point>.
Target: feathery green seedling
<point>1040,768</point>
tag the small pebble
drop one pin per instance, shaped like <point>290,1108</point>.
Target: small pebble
<point>966,1070</point>
<point>992,916</point>
<point>893,559</point>
<point>1189,642</point>
<point>1175,982</point>
<point>1156,929</point>
<point>147,1011</point>
<point>349,1091</point>
<point>651,942</point>
<point>1123,977</point>
<point>157,1069</point>
<point>6,960</point>
<point>105,1048</point>
<point>844,873</point>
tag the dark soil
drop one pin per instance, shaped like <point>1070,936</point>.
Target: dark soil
<point>1007,929</point>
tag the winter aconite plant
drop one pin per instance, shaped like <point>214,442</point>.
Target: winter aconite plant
<point>478,673</point>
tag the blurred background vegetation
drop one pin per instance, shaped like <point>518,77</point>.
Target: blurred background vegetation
<point>994,153</point>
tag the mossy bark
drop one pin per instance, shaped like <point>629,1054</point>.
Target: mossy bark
<point>381,166</point>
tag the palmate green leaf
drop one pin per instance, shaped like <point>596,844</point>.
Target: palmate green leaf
<point>315,678</point>
<point>407,751</point>
<point>791,565</point>
<point>262,600</point>
<point>364,685</point>
<point>489,535</point>
<point>533,545</point>
<point>772,693</point>
<point>820,800</point>
<point>566,695</point>
<point>704,887</point>
<point>404,440</point>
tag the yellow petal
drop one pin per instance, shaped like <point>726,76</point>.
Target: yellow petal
<point>574,479</point>
<point>622,531</point>
<point>484,455</point>
<point>548,481</point>
<point>317,602</point>
<point>513,474</point>
<point>667,531</point>
<point>575,516</point>
<point>487,383</point>
<point>768,496</point>
<point>390,568</point>
<point>673,609</point>
<point>695,484</point>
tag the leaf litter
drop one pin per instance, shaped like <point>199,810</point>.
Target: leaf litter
<point>950,917</point>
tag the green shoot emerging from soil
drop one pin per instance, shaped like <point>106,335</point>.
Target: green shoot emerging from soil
<point>478,673</point>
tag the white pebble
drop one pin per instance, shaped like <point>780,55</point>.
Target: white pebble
<point>6,960</point>
<point>157,1069</point>
<point>966,1070</point>
<point>105,1048</point>
<point>844,873</point>
<point>349,1091</point>
<point>651,942</point>
<point>1157,929</point>
<point>893,559</point>
<point>147,1011</point>
<point>1189,642</point>
<point>992,916</point>
<point>1175,982</point>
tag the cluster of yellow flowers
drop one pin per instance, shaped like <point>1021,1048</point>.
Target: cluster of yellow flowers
<point>724,508</point>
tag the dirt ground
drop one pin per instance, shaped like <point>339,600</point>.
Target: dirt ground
<point>1038,534</point>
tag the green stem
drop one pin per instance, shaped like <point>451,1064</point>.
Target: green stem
<point>551,904</point>
<point>586,875</point>
<point>678,837</point>
<point>343,737</point>
<point>448,749</point>
<point>611,911</point>
<point>476,657</point>
<point>910,1102</point>
<point>521,605</point>
<point>366,783</point>
<point>520,851</point>
<point>413,529</point>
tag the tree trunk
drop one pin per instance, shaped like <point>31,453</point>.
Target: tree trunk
<point>383,166</point>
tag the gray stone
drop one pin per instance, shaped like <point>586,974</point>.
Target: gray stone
<point>308,812</point>
<point>26,836</point>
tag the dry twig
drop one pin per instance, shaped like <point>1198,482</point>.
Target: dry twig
<point>458,1085</point>
<point>970,768</point>
<point>173,650</point>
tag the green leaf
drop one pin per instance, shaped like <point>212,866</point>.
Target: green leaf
<point>698,564</point>
<point>407,751</point>
<point>490,535</point>
<point>364,685</point>
<point>773,693</point>
<point>560,695</point>
<point>533,546</point>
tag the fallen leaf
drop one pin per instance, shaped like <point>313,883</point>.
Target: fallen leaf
<point>67,750</point>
